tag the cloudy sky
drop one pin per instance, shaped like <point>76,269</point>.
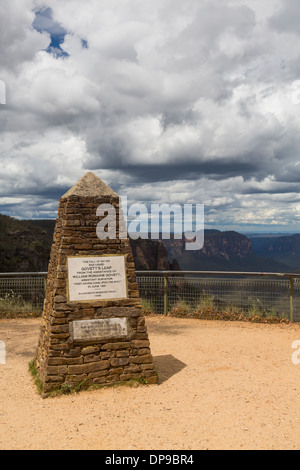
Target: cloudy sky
<point>194,101</point>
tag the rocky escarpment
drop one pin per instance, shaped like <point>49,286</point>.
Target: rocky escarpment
<point>151,255</point>
<point>25,247</point>
<point>222,251</point>
<point>285,249</point>
<point>217,244</point>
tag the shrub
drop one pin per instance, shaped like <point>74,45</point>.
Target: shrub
<point>12,305</point>
<point>147,307</point>
<point>206,309</point>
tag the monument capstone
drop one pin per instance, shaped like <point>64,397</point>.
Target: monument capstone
<point>93,330</point>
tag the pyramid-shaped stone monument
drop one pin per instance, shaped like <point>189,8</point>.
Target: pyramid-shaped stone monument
<point>93,330</point>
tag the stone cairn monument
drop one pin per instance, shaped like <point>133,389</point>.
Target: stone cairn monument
<point>93,330</point>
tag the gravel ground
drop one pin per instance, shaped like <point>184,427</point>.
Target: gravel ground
<point>221,386</point>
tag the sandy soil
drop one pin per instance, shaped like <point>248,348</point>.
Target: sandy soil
<point>221,386</point>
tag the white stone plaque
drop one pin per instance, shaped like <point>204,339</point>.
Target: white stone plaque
<point>104,328</point>
<point>96,278</point>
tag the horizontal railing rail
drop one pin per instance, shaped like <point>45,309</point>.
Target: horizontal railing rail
<point>220,273</point>
<point>35,274</point>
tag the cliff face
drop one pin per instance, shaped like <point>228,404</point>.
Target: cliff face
<point>151,255</point>
<point>285,249</point>
<point>222,251</point>
<point>25,247</point>
<point>226,245</point>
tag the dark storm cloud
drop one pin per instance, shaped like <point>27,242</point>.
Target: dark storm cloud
<point>188,171</point>
<point>163,99</point>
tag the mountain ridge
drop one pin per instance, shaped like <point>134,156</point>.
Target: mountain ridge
<point>25,247</point>
<point>223,251</point>
<point>285,249</point>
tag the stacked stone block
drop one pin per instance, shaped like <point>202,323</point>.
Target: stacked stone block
<point>62,361</point>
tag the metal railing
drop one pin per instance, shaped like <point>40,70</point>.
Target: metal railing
<point>262,293</point>
<point>266,294</point>
<point>29,287</point>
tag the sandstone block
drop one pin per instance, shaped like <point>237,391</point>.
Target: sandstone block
<point>88,368</point>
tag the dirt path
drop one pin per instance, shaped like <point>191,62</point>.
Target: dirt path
<point>222,386</point>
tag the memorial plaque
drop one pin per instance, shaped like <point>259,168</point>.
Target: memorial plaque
<point>97,278</point>
<point>98,329</point>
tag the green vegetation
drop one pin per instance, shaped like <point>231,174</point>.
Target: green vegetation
<point>148,307</point>
<point>67,389</point>
<point>207,308</point>
<point>33,371</point>
<point>12,305</point>
<point>25,244</point>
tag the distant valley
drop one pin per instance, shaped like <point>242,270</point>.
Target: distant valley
<point>284,249</point>
<point>230,251</point>
<point>25,247</point>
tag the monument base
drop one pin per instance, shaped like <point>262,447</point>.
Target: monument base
<point>99,351</point>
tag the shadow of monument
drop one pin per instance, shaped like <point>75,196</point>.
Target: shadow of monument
<point>167,366</point>
<point>160,328</point>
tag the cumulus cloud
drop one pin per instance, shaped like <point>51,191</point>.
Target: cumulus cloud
<point>18,40</point>
<point>164,99</point>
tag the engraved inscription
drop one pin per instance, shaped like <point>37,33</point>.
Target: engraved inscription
<point>100,329</point>
<point>96,278</point>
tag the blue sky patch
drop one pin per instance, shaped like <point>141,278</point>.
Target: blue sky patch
<point>44,23</point>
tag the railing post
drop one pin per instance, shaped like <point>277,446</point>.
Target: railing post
<point>292,300</point>
<point>165,294</point>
